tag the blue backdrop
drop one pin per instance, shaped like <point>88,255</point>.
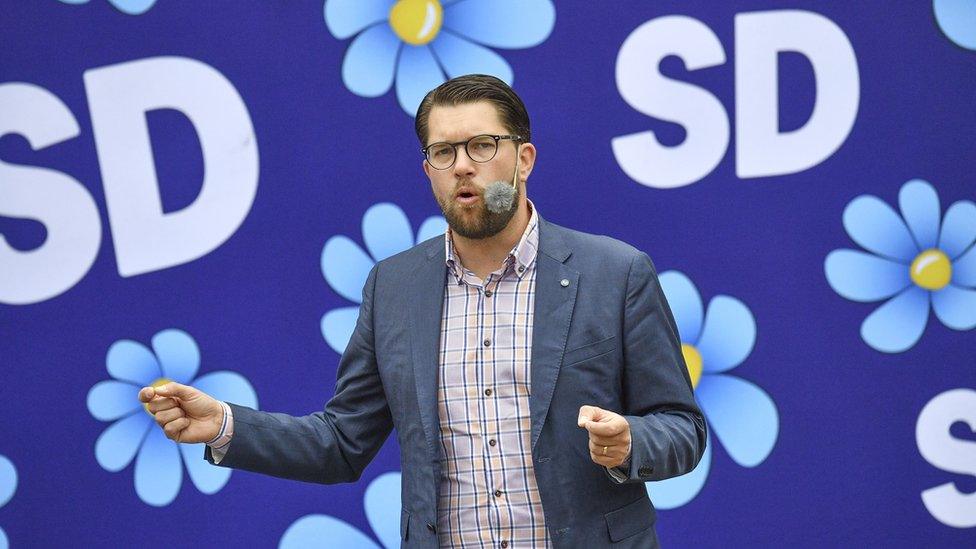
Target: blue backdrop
<point>806,195</point>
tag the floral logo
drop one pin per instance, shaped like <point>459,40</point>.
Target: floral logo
<point>386,231</point>
<point>382,504</point>
<point>158,471</point>
<point>131,7</point>
<point>421,41</point>
<point>740,414</point>
<point>8,485</point>
<point>957,19</point>
<point>910,260</point>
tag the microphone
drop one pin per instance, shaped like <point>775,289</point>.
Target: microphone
<point>500,196</point>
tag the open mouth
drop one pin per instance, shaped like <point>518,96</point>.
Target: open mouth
<point>465,196</point>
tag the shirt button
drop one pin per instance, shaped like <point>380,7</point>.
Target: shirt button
<point>488,392</point>
<point>487,293</point>
<point>504,544</point>
<point>491,442</point>
<point>521,269</point>
<point>487,343</point>
<point>498,493</point>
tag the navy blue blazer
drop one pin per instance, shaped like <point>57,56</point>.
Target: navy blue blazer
<point>607,339</point>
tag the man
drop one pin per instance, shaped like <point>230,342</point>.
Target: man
<point>533,373</point>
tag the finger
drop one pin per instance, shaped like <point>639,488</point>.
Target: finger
<point>606,429</point>
<point>606,461</point>
<point>164,417</point>
<point>614,452</point>
<point>178,390</point>
<point>623,439</point>
<point>159,404</point>
<point>146,394</point>
<point>586,414</point>
<point>175,427</point>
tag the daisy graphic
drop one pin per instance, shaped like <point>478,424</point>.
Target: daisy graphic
<point>8,485</point>
<point>912,260</point>
<point>741,416</point>
<point>159,467</point>
<point>131,7</point>
<point>386,231</point>
<point>421,43</point>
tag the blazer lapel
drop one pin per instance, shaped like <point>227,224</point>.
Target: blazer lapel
<point>425,321</point>
<point>555,298</point>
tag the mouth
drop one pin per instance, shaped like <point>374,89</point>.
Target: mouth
<point>466,196</point>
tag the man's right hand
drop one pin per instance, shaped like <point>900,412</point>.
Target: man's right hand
<point>184,413</point>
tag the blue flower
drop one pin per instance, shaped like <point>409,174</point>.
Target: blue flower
<point>131,7</point>
<point>386,231</point>
<point>8,485</point>
<point>912,261</point>
<point>740,414</point>
<point>957,19</point>
<point>422,40</point>
<point>382,503</point>
<point>158,473</point>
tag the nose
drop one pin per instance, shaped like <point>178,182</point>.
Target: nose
<point>463,165</point>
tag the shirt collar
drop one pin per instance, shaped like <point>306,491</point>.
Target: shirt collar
<point>520,259</point>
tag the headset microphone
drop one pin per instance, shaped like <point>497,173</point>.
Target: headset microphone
<point>499,196</point>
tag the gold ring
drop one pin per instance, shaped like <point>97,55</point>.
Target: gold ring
<point>604,450</point>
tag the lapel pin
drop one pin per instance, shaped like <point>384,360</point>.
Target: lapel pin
<point>564,282</point>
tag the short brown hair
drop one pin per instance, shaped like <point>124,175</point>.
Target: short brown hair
<point>469,89</point>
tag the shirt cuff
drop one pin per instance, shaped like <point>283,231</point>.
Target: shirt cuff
<point>621,472</point>
<point>221,443</point>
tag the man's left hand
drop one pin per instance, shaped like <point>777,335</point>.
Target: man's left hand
<point>609,435</point>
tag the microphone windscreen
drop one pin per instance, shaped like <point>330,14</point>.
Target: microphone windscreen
<point>499,197</point>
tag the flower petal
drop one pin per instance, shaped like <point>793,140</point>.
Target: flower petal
<point>178,355</point>
<point>864,277</point>
<point>728,335</point>
<point>337,327</point>
<point>207,478</point>
<point>685,303</point>
<point>322,531</point>
<point>957,19</point>
<point>110,400</point>
<point>386,230</point>
<point>920,207</point>
<point>743,417</point>
<point>955,307</point>
<point>898,324</point>
<point>677,491</point>
<point>345,18</point>
<point>417,73</point>
<point>434,225</point>
<point>382,503</point>
<point>159,471</point>
<point>958,228</point>
<point>460,57</point>
<point>367,68</point>
<point>964,269</point>
<point>128,360</point>
<point>133,7</point>
<point>8,480</point>
<point>4,543</point>
<point>229,387</point>
<point>502,23</point>
<point>346,267</point>
<point>874,225</point>
<point>118,444</point>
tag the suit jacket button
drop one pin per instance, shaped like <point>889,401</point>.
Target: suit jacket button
<point>431,527</point>
<point>645,471</point>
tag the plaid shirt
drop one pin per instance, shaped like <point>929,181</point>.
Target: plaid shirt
<point>488,492</point>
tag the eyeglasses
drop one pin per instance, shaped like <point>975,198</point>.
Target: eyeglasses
<point>480,148</point>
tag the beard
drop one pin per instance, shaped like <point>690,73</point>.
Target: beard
<point>476,222</point>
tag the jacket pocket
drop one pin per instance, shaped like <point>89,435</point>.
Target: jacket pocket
<point>590,350</point>
<point>404,524</point>
<point>630,519</point>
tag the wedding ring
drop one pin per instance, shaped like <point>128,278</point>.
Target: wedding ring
<point>604,450</point>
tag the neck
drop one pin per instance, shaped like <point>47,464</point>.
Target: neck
<point>485,255</point>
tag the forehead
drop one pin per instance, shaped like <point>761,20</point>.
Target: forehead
<point>457,122</point>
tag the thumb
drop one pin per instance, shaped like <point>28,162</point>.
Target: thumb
<point>173,389</point>
<point>146,394</point>
<point>588,413</point>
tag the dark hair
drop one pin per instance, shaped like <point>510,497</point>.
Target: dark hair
<point>469,89</point>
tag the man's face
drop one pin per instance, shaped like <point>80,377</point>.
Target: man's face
<point>460,189</point>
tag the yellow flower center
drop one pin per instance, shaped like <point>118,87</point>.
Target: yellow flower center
<point>416,22</point>
<point>693,360</point>
<point>932,269</point>
<point>158,383</point>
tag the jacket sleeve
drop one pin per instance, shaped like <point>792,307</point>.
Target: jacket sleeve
<point>334,445</point>
<point>667,427</point>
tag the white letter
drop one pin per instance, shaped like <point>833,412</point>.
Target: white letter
<point>645,89</point>
<point>60,202</point>
<point>946,503</point>
<point>759,37</point>
<point>145,238</point>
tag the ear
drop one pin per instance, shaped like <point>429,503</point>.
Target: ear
<point>426,167</point>
<point>527,154</point>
